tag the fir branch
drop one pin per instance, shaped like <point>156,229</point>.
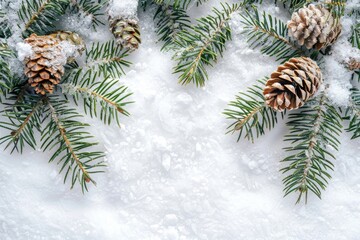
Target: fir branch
<point>337,8</point>
<point>23,118</point>
<point>6,75</point>
<point>183,4</point>
<point>251,114</point>
<point>169,22</point>
<point>202,44</point>
<point>107,59</point>
<point>5,30</point>
<point>111,98</point>
<point>90,8</point>
<point>40,15</point>
<point>294,5</point>
<point>72,144</point>
<point>355,42</point>
<point>313,130</point>
<point>353,114</point>
<point>270,35</point>
<point>355,35</point>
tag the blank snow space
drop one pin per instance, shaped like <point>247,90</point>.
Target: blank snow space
<point>172,172</point>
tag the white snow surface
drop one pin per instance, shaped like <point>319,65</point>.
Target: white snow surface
<point>24,50</point>
<point>172,172</point>
<point>124,8</point>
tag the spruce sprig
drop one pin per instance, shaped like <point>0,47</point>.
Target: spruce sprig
<point>92,8</point>
<point>201,45</point>
<point>294,5</point>
<point>353,114</point>
<point>105,99</point>
<point>40,15</point>
<point>170,21</point>
<point>5,72</point>
<point>270,35</point>
<point>107,59</point>
<point>251,116</point>
<point>23,117</point>
<point>314,130</point>
<point>92,81</point>
<point>72,143</point>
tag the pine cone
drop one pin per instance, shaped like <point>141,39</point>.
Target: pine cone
<point>353,64</point>
<point>292,84</point>
<point>314,27</point>
<point>72,38</point>
<point>44,67</point>
<point>126,32</point>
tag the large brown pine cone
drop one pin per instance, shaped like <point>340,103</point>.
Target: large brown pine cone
<point>292,84</point>
<point>126,32</point>
<point>314,26</point>
<point>44,67</point>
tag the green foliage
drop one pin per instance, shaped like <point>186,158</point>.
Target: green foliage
<point>39,16</point>
<point>4,25</point>
<point>314,128</point>
<point>337,8</point>
<point>294,5</point>
<point>183,4</point>
<point>103,99</point>
<point>91,8</point>
<point>106,96</point>
<point>71,142</point>
<point>355,42</point>
<point>250,114</point>
<point>23,117</point>
<point>93,81</point>
<point>201,45</point>
<point>270,35</point>
<point>5,72</point>
<point>107,59</point>
<point>355,35</point>
<point>353,114</point>
<point>313,131</point>
<point>169,22</point>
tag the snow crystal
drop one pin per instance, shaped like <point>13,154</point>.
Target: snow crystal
<point>24,50</point>
<point>123,8</point>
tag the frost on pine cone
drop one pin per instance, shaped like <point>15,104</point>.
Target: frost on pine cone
<point>126,31</point>
<point>314,27</point>
<point>292,84</point>
<point>72,38</point>
<point>45,66</point>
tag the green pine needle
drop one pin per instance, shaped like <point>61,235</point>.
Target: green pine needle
<point>201,45</point>
<point>314,132</point>
<point>250,114</point>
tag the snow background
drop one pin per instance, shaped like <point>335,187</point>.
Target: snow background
<point>172,172</point>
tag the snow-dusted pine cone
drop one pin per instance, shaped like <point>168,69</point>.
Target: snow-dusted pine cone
<point>292,84</point>
<point>44,67</point>
<point>74,39</point>
<point>353,64</point>
<point>314,26</point>
<point>126,31</point>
